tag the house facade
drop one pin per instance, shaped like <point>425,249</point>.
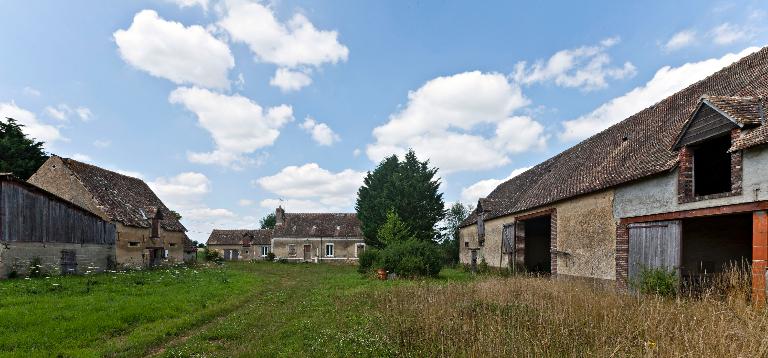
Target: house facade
<point>317,237</point>
<point>148,233</point>
<point>40,228</point>
<point>682,184</point>
<point>235,245</point>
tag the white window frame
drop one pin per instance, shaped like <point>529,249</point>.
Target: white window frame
<point>333,249</point>
<point>357,246</point>
<point>264,251</point>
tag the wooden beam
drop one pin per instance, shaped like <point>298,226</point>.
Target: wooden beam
<point>694,213</point>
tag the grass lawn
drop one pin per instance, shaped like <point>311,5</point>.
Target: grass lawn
<point>272,309</point>
<point>239,308</point>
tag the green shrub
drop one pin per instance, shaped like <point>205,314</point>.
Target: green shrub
<point>367,260</point>
<point>657,281</point>
<point>212,255</point>
<point>270,256</point>
<point>411,258</point>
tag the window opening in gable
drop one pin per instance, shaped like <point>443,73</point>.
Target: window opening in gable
<point>712,167</point>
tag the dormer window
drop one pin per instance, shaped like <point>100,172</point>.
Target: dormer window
<point>708,168</point>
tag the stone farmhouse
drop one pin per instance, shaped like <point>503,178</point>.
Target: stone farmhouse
<point>148,233</point>
<point>40,228</point>
<point>241,244</point>
<point>682,184</point>
<point>298,237</point>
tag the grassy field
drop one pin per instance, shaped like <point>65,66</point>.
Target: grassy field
<point>271,309</point>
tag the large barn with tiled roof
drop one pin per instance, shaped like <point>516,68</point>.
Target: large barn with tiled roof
<point>148,233</point>
<point>682,184</point>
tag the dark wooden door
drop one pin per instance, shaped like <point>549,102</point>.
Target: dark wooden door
<point>654,245</point>
<point>68,262</point>
<point>307,252</point>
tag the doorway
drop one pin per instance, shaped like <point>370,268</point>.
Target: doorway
<point>307,252</point>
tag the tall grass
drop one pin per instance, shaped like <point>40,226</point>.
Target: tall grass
<point>528,316</point>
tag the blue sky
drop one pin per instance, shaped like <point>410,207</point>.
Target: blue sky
<point>225,107</point>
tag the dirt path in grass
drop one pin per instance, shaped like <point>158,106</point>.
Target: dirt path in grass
<point>276,283</point>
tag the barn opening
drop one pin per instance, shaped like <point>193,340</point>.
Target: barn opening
<point>538,240</point>
<point>712,244</point>
<point>712,166</point>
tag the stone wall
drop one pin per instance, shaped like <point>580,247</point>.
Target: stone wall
<point>344,249</point>
<point>17,256</point>
<point>138,256</point>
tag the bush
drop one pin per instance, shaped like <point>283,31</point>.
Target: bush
<point>36,268</point>
<point>657,281</point>
<point>411,258</point>
<point>270,256</point>
<point>212,255</point>
<point>367,259</point>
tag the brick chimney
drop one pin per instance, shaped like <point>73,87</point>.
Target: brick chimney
<point>279,216</point>
<point>156,223</point>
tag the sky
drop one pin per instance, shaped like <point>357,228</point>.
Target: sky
<point>228,108</point>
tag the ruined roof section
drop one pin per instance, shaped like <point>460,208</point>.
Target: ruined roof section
<point>319,225</point>
<point>240,237</point>
<point>124,199</point>
<point>746,111</point>
<point>637,147</point>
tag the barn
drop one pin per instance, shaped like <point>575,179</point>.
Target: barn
<point>38,228</point>
<point>681,185</point>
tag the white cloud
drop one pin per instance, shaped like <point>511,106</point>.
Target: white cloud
<point>238,125</point>
<point>191,3</point>
<point>481,189</point>
<point>586,67</point>
<point>101,143</point>
<point>63,111</point>
<point>32,126</point>
<point>172,51</point>
<point>664,83</point>
<point>245,202</point>
<point>681,39</point>
<point>356,153</point>
<point>448,119</point>
<point>29,91</point>
<point>296,43</point>
<point>84,113</point>
<point>321,133</point>
<point>727,33</point>
<point>185,193</point>
<point>312,188</point>
<point>288,80</point>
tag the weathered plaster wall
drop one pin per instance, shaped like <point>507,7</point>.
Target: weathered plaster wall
<point>659,194</point>
<point>344,249</point>
<point>138,256</point>
<point>586,234</point>
<point>18,256</point>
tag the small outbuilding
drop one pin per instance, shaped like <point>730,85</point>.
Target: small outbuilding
<point>235,245</point>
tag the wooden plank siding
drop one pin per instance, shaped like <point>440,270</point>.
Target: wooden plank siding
<point>654,245</point>
<point>30,214</point>
<point>706,124</point>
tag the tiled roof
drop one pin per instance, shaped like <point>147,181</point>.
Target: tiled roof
<point>319,225</point>
<point>637,147</point>
<point>240,237</point>
<point>189,246</point>
<point>124,199</point>
<point>745,111</point>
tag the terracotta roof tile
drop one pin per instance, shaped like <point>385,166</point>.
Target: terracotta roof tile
<point>319,225</point>
<point>124,199</point>
<point>240,237</point>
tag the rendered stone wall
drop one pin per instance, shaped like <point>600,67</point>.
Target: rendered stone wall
<point>17,256</point>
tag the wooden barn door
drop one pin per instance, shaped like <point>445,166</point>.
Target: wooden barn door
<point>307,252</point>
<point>654,245</point>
